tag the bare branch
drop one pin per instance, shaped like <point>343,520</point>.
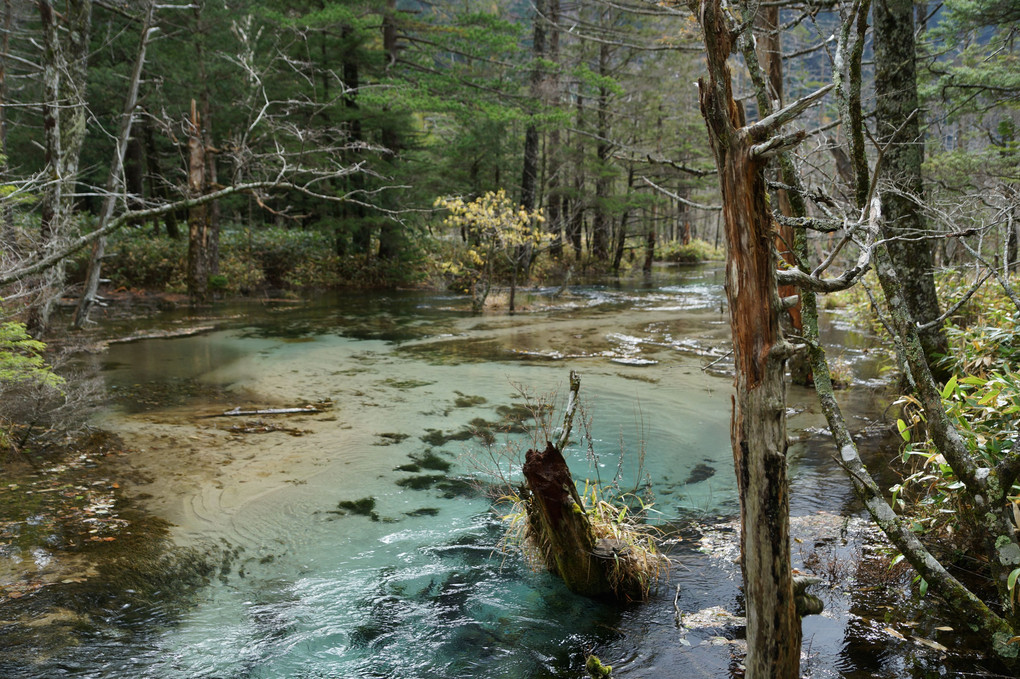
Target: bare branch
<point>776,145</point>
<point>684,201</point>
<point>770,123</point>
<point>681,167</point>
<point>810,223</point>
<point>59,253</point>
<point>959,303</point>
<point>851,276</point>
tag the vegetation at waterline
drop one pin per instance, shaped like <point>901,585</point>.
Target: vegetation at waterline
<point>598,540</point>
<point>304,146</point>
<point>637,565</point>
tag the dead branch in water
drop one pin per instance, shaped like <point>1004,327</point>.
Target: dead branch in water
<point>237,412</point>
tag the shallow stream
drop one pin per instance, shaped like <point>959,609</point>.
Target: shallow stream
<point>359,541</point>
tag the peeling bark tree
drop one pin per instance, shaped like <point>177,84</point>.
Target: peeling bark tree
<point>758,429</point>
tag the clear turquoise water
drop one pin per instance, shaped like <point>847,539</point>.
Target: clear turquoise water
<point>420,588</point>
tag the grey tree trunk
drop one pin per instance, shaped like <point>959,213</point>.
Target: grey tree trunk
<point>6,214</point>
<point>115,181</point>
<point>65,68</point>
<point>898,128</point>
<point>212,210</point>
<point>601,222</point>
<point>551,91</point>
<point>621,235</point>
<point>391,236</point>
<point>575,225</point>
<point>529,174</point>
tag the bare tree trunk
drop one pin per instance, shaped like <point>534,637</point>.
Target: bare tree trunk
<point>212,214</point>
<point>576,223</point>
<point>758,428</point>
<point>65,69</point>
<point>1012,223</point>
<point>601,223</point>
<point>770,53</point>
<point>529,173</point>
<point>646,267</point>
<point>115,181</point>
<point>391,237</point>
<point>621,236</point>
<point>7,214</point>
<point>552,93</point>
<point>354,212</point>
<point>198,225</point>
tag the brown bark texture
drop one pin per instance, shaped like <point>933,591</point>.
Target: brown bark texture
<point>562,530</point>
<point>198,225</point>
<point>560,526</point>
<point>758,428</point>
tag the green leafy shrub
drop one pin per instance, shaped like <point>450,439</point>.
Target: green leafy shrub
<point>986,412</point>
<point>25,377</point>
<point>693,252</point>
<point>252,260</point>
<point>241,276</point>
<point>982,399</point>
<point>137,260</point>
<point>984,332</point>
<point>277,252</point>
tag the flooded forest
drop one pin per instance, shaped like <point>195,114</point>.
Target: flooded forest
<point>523,338</point>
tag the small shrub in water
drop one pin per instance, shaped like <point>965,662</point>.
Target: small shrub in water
<point>692,252</point>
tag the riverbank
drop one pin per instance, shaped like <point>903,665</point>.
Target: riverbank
<point>351,540</point>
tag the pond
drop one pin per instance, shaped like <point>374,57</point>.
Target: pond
<point>361,541</point>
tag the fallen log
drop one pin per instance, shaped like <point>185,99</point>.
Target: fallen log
<point>237,412</point>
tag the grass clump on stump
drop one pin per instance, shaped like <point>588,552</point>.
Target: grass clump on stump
<point>591,542</point>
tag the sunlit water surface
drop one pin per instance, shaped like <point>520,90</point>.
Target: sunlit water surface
<point>411,581</point>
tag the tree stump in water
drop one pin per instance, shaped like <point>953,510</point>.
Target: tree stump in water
<point>563,532</point>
